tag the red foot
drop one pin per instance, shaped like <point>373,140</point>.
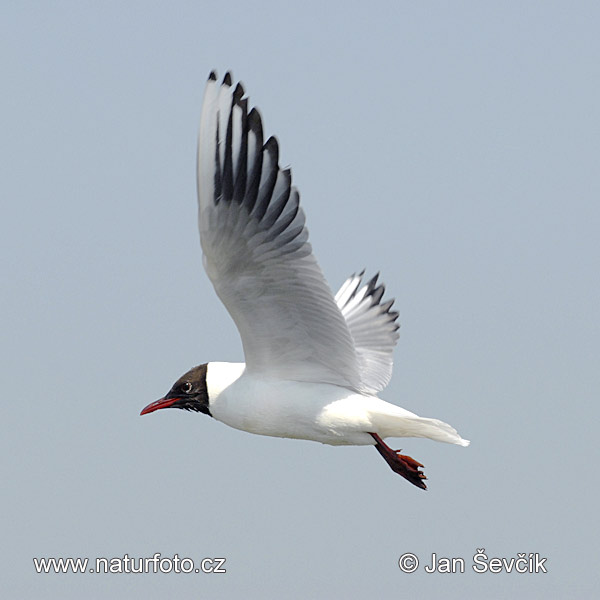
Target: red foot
<point>400,463</point>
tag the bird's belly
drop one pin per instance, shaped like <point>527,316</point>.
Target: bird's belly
<point>310,411</point>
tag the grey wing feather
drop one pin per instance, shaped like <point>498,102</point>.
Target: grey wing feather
<point>373,328</point>
<point>256,250</point>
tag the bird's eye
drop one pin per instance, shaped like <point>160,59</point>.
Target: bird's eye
<point>186,388</point>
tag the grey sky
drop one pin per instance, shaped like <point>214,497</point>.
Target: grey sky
<point>452,146</point>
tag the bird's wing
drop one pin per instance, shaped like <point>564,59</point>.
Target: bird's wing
<point>372,326</point>
<point>256,250</point>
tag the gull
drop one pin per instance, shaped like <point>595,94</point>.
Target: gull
<point>315,362</point>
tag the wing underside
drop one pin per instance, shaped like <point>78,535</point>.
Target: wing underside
<point>373,328</point>
<point>256,250</point>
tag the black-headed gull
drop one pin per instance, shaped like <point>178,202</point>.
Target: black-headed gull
<point>314,361</point>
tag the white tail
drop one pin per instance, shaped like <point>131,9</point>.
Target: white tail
<point>398,422</point>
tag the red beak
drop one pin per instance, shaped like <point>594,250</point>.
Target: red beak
<point>162,403</point>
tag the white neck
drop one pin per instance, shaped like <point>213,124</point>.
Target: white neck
<point>220,375</point>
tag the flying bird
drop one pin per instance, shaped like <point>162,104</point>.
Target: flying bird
<point>315,362</point>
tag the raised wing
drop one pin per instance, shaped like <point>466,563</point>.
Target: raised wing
<point>256,250</point>
<point>372,326</point>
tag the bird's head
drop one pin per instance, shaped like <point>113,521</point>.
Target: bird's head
<point>188,392</point>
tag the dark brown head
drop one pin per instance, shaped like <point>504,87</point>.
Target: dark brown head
<point>188,392</point>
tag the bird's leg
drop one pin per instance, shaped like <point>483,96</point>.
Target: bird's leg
<point>399,463</point>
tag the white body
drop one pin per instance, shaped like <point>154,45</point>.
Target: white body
<point>311,411</point>
<point>314,362</point>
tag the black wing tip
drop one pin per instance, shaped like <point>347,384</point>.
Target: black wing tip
<point>387,305</point>
<point>238,93</point>
<point>372,288</point>
<point>377,293</point>
<point>392,314</point>
<point>373,281</point>
<point>272,146</point>
<point>227,80</point>
<point>254,121</point>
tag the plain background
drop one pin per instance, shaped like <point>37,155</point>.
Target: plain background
<point>451,145</point>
